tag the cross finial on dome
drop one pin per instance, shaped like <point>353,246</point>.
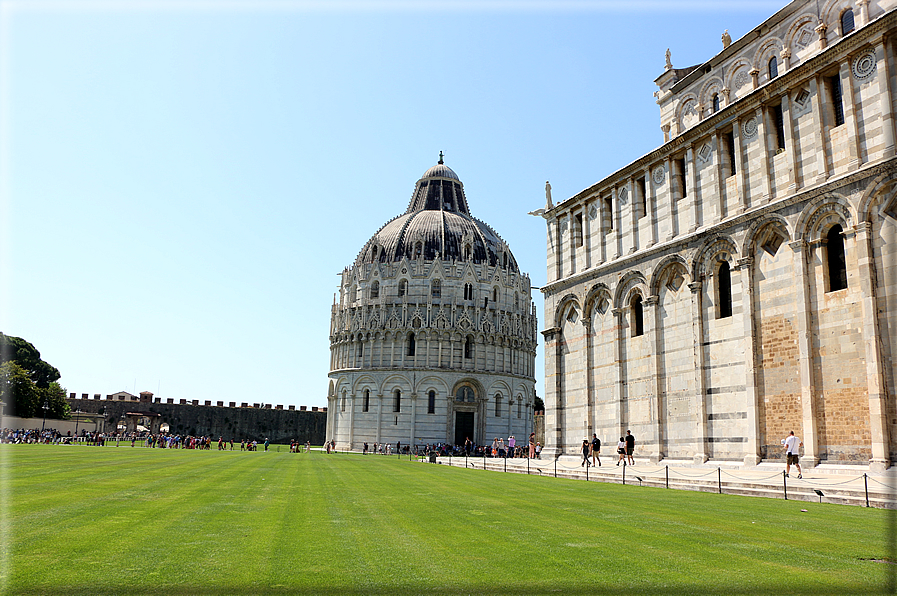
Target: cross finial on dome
<point>440,157</point>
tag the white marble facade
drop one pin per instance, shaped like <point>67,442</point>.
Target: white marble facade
<point>433,336</point>
<point>740,281</point>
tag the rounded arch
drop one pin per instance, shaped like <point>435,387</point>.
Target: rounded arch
<point>792,38</point>
<point>687,111</point>
<point>393,382</point>
<point>770,47</point>
<point>883,184</point>
<point>479,391</point>
<point>821,214</point>
<point>342,382</point>
<point>363,381</point>
<point>662,270</point>
<point>761,225</point>
<point>631,280</point>
<point>594,298</point>
<point>563,306</point>
<point>713,250</point>
<point>831,14</point>
<point>734,79</point>
<point>710,88</point>
<point>499,386</point>
<point>433,383</point>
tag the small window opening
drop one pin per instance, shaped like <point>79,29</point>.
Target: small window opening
<point>609,212</point>
<point>397,401</point>
<point>468,291</point>
<point>724,290</point>
<point>683,186</point>
<point>834,85</point>
<point>638,320</point>
<point>366,402</point>
<point>436,288</point>
<point>773,68</point>
<point>497,405</point>
<point>778,118</point>
<point>847,23</point>
<point>418,250</point>
<point>730,151</point>
<point>836,257</point>
<point>579,231</point>
<point>375,289</point>
<point>403,287</point>
<point>411,345</point>
<point>643,197</point>
<point>431,402</point>
<point>468,348</point>
<point>715,103</point>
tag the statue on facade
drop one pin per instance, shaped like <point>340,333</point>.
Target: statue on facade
<point>727,39</point>
<point>548,203</point>
<point>669,63</point>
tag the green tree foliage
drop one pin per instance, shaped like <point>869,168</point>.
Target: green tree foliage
<point>538,404</point>
<point>27,382</point>
<point>26,355</point>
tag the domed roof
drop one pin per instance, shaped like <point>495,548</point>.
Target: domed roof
<point>437,225</point>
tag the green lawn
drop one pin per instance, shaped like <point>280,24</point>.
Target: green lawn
<point>90,520</point>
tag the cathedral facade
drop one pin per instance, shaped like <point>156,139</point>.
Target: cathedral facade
<point>740,281</point>
<point>433,336</point>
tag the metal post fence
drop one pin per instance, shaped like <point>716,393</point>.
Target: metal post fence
<point>668,476</point>
<point>555,467</point>
<point>506,464</point>
<point>527,466</point>
<point>719,480</point>
<point>785,484</point>
<point>624,471</point>
<point>866,488</point>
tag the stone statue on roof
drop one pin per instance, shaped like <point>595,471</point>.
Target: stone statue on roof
<point>669,63</point>
<point>548,203</point>
<point>727,39</point>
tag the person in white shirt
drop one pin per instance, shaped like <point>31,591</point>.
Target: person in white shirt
<point>792,446</point>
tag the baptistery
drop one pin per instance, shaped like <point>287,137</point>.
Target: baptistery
<point>433,334</point>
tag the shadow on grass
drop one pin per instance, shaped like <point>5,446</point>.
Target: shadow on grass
<point>752,590</point>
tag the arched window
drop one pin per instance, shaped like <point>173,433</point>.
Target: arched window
<point>519,406</point>
<point>836,259</point>
<point>847,24</point>
<point>359,348</point>
<point>468,252</point>
<point>375,289</point>
<point>468,291</point>
<point>494,294</point>
<point>468,347</point>
<point>411,345</point>
<point>724,290</point>
<point>374,252</point>
<point>637,314</point>
<point>498,405</point>
<point>403,287</point>
<point>431,402</point>
<point>773,68</point>
<point>465,393</point>
<point>715,103</point>
<point>418,250</point>
<point>436,288</point>
<point>366,404</point>
<point>516,300</point>
<point>504,260</point>
<point>397,401</point>
<point>343,402</point>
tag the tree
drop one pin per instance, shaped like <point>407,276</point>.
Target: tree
<point>18,391</point>
<point>538,404</point>
<point>27,382</point>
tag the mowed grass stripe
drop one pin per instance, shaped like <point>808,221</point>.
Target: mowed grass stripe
<point>140,521</point>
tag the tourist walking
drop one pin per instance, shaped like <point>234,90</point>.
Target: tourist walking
<point>585,453</point>
<point>630,447</point>
<point>792,454</point>
<point>621,450</point>
<point>511,443</point>
<point>532,445</point>
<point>596,448</point>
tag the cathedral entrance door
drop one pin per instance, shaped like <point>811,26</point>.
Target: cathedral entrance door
<point>463,427</point>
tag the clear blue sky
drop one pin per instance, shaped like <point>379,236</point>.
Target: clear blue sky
<point>182,182</point>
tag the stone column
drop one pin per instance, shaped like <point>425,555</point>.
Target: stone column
<point>619,373</point>
<point>413,417</point>
<point>805,351</point>
<point>697,317</point>
<point>692,184</point>
<point>741,175</point>
<point>720,175</point>
<point>882,51</point>
<point>351,421</point>
<point>379,417</point>
<point>864,13</point>
<point>763,139</point>
<point>672,199</point>
<point>553,406</point>
<point>633,216</point>
<point>586,237</point>
<point>817,92</point>
<point>752,394</point>
<point>820,29</point>
<point>587,370</point>
<point>755,77</point>
<point>786,59</point>
<point>790,144</point>
<point>666,133</point>
<point>650,206</point>
<point>656,399</point>
<point>850,116</point>
<point>875,363</point>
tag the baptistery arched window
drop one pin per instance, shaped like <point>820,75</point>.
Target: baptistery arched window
<point>436,288</point>
<point>498,405</point>
<point>468,291</point>
<point>465,393</point>
<point>715,103</point>
<point>366,402</point>
<point>773,68</point>
<point>403,287</point>
<point>468,347</point>
<point>412,347</point>
<point>375,289</point>
<point>397,401</point>
<point>431,402</point>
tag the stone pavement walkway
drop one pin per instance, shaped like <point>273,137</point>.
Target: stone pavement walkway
<point>848,485</point>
